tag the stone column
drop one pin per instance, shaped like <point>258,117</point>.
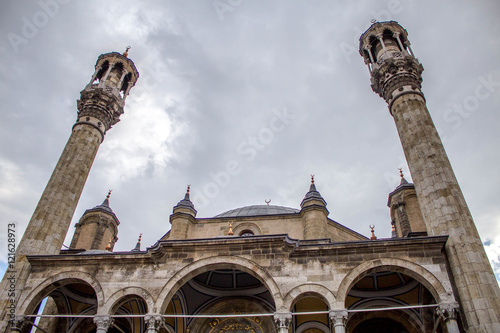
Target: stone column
<point>103,323</point>
<point>448,314</point>
<point>339,320</point>
<point>283,321</point>
<point>398,80</point>
<point>153,323</point>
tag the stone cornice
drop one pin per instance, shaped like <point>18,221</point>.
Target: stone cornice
<point>295,249</point>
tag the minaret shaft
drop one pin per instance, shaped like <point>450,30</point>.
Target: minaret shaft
<point>396,77</point>
<point>52,217</point>
<point>445,211</point>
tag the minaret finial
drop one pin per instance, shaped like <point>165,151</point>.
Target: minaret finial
<point>109,194</point>
<point>230,232</point>
<point>312,179</point>
<point>108,247</point>
<point>373,237</point>
<point>188,188</point>
<point>138,245</point>
<point>125,54</point>
<point>267,201</point>
<point>401,173</point>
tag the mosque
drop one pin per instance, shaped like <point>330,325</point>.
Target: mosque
<point>263,268</point>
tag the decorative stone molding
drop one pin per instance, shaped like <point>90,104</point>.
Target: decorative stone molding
<point>283,321</point>
<point>390,76</point>
<point>394,70</point>
<point>153,323</point>
<point>103,323</point>
<point>338,317</point>
<point>447,311</point>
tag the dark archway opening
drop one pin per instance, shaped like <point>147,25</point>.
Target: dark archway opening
<point>221,292</point>
<point>68,297</point>
<point>380,325</point>
<point>389,289</point>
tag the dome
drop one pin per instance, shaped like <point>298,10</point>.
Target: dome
<point>258,210</point>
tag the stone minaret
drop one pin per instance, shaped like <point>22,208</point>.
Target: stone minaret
<point>100,106</point>
<point>396,77</point>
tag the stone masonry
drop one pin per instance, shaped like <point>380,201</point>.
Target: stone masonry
<point>396,76</point>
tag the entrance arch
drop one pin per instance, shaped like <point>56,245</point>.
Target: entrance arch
<point>63,294</point>
<point>406,267</point>
<point>217,263</point>
<point>38,294</point>
<point>383,284</point>
<point>129,305</point>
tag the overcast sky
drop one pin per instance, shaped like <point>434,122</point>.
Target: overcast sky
<point>244,100</point>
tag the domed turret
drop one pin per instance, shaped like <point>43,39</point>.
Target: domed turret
<point>182,218</point>
<point>97,228</point>
<point>314,214</point>
<point>406,217</point>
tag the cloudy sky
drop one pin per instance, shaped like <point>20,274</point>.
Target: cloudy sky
<point>244,100</point>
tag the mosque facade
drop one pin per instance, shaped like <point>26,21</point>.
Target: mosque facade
<point>260,268</point>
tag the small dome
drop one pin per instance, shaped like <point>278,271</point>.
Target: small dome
<point>258,210</point>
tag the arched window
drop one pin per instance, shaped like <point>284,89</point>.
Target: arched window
<point>125,84</point>
<point>246,233</point>
<point>102,71</point>
<point>117,68</point>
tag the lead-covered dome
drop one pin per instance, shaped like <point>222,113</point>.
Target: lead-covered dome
<point>258,210</point>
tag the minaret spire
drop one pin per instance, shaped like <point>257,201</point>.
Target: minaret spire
<point>137,247</point>
<point>396,75</point>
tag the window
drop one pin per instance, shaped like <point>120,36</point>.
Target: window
<point>246,233</point>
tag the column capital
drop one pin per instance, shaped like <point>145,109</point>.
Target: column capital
<point>447,311</point>
<point>338,317</point>
<point>153,323</point>
<point>103,323</point>
<point>282,319</point>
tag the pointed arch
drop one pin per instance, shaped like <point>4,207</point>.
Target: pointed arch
<point>419,273</point>
<point>34,298</point>
<point>309,289</point>
<point>218,262</point>
<point>137,292</point>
